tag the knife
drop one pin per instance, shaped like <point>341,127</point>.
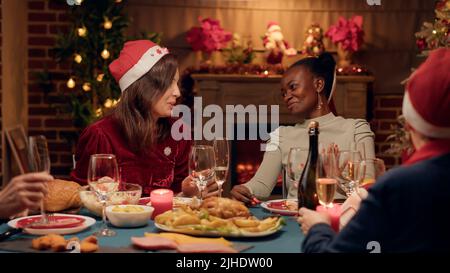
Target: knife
<point>13,231</point>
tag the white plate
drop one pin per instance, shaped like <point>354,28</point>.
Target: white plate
<point>86,224</point>
<point>265,205</point>
<point>241,233</point>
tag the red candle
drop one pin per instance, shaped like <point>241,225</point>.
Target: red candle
<point>162,200</point>
<point>334,213</point>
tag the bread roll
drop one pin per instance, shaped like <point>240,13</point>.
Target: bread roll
<point>62,195</point>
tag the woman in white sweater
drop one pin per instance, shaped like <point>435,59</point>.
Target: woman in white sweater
<point>306,88</point>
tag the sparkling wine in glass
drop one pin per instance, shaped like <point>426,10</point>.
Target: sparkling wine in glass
<point>349,171</point>
<point>39,161</point>
<point>326,183</point>
<point>222,158</point>
<point>202,165</point>
<point>103,179</point>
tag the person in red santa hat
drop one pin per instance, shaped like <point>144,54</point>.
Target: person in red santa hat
<point>406,209</point>
<point>274,42</point>
<point>138,129</point>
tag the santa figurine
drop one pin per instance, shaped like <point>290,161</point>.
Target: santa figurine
<point>274,42</point>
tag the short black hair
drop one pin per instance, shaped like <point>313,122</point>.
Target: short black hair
<point>322,66</point>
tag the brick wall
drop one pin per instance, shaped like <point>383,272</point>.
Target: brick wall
<point>45,19</point>
<point>386,110</point>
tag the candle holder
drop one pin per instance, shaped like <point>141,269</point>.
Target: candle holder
<point>162,201</point>
<point>334,212</point>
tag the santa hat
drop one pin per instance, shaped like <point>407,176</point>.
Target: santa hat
<point>273,27</point>
<point>426,104</point>
<point>136,58</point>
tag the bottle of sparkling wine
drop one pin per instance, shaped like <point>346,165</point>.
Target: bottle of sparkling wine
<point>307,196</point>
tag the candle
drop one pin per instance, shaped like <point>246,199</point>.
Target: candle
<point>162,200</point>
<point>334,213</point>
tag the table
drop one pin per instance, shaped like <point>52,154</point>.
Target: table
<point>287,240</point>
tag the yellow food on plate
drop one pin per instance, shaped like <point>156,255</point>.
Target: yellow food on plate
<point>246,222</point>
<point>127,209</point>
<point>198,222</point>
<point>186,239</point>
<point>224,207</point>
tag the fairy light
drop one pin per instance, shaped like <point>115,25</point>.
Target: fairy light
<point>71,83</point>
<point>86,87</point>
<point>107,24</point>
<point>78,58</point>
<point>100,77</point>
<point>82,31</point>
<point>78,2</point>
<point>98,112</point>
<point>105,54</point>
<point>434,31</point>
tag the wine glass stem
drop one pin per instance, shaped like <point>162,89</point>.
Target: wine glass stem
<point>104,226</point>
<point>219,186</point>
<point>43,214</point>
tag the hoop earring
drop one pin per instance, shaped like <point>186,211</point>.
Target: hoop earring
<point>320,103</point>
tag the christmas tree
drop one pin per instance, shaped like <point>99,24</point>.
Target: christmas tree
<point>436,34</point>
<point>95,38</point>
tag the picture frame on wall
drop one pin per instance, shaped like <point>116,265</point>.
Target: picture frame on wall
<point>18,143</point>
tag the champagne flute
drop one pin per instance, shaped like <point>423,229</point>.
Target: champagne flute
<point>374,168</point>
<point>222,157</point>
<point>202,166</point>
<point>39,161</point>
<point>326,182</point>
<point>103,179</point>
<point>350,169</point>
<point>296,162</point>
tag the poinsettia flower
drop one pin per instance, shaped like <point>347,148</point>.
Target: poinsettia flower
<point>209,37</point>
<point>348,33</point>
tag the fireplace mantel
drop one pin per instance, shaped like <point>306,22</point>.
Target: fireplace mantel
<point>351,96</point>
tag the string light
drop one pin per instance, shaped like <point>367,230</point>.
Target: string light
<point>110,103</point>
<point>78,58</point>
<point>118,1</point>
<point>107,24</point>
<point>105,54</point>
<point>434,31</point>
<point>71,83</point>
<point>100,77</point>
<point>78,2</point>
<point>82,31</point>
<point>98,112</point>
<point>86,87</point>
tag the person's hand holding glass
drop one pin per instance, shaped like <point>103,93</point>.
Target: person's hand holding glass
<point>202,166</point>
<point>103,179</point>
<point>222,157</point>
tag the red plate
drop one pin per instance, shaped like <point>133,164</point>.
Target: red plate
<point>56,222</point>
<point>278,205</point>
<point>144,201</point>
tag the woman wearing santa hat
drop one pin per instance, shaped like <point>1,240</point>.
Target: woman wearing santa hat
<point>138,129</point>
<point>407,209</point>
<point>307,88</point>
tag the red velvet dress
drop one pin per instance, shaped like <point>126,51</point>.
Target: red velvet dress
<point>164,166</point>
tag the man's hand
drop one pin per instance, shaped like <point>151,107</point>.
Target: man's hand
<point>241,193</point>
<point>23,192</point>
<point>308,218</point>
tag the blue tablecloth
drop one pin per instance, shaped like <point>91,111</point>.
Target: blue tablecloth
<point>287,240</point>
